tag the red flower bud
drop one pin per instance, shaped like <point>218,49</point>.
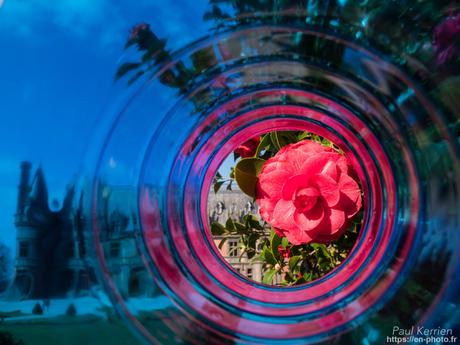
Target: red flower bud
<point>248,148</point>
<point>287,254</point>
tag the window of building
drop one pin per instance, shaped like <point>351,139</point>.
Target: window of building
<point>232,248</point>
<point>70,250</point>
<point>115,249</point>
<point>23,249</point>
<point>249,273</point>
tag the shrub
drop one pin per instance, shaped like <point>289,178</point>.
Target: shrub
<point>71,310</point>
<point>38,310</point>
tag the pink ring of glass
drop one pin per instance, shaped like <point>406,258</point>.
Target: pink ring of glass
<point>194,245</point>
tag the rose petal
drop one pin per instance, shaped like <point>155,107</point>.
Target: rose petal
<point>337,220</point>
<point>272,183</point>
<point>332,223</point>
<point>298,237</point>
<point>328,188</point>
<point>283,215</point>
<point>292,184</point>
<point>349,187</point>
<point>349,206</point>
<point>296,159</point>
<point>320,238</point>
<point>308,191</point>
<point>311,147</point>
<point>266,207</point>
<point>306,198</point>
<point>330,169</point>
<point>342,165</point>
<point>322,163</point>
<point>310,219</point>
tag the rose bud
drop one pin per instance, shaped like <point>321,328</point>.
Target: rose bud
<point>248,148</point>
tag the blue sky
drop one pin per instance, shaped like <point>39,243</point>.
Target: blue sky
<point>57,61</point>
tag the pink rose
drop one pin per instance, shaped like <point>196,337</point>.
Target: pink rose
<point>248,148</point>
<point>307,193</point>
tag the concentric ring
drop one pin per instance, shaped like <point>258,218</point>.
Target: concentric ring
<point>356,101</point>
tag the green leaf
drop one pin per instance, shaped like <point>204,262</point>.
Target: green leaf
<point>217,185</point>
<point>324,250</point>
<point>268,276</point>
<point>275,242</point>
<point>230,225</point>
<point>240,228</point>
<point>246,172</point>
<point>251,221</point>
<point>269,257</point>
<point>293,261</point>
<point>283,138</point>
<point>217,229</point>
<point>229,186</point>
<point>264,144</point>
<point>125,68</point>
<point>274,139</point>
<point>218,176</point>
<point>252,240</point>
<point>303,135</point>
<point>308,277</point>
<point>284,242</point>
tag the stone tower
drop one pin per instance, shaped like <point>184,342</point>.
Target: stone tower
<point>44,240</point>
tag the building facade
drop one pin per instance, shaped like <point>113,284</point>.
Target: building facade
<point>234,204</point>
<point>52,256</point>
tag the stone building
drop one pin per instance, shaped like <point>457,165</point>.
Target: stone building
<point>48,254</point>
<point>234,204</point>
<point>119,241</point>
<point>52,258</point>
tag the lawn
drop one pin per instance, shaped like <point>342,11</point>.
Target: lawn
<point>77,333</point>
